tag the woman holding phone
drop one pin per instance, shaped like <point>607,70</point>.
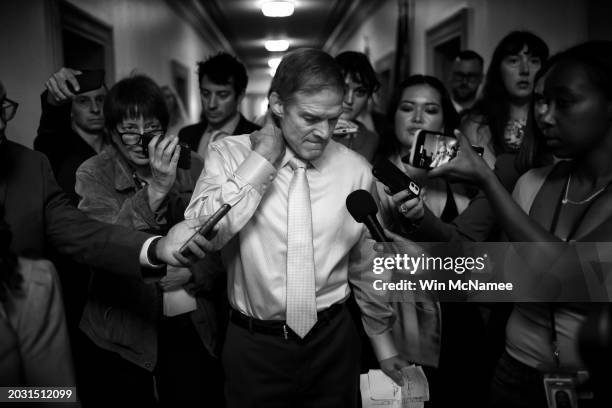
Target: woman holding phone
<point>150,340</point>
<point>422,103</point>
<point>565,202</point>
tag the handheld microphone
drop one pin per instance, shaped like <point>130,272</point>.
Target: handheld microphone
<point>206,229</point>
<point>360,204</point>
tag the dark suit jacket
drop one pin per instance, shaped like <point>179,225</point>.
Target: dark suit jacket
<point>41,217</point>
<point>192,134</point>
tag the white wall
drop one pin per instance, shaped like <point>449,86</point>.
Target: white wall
<point>147,36</point>
<point>378,31</point>
<point>25,63</point>
<point>560,23</point>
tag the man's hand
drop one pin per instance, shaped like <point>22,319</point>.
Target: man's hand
<point>269,143</point>
<point>392,367</point>
<point>167,248</point>
<point>175,278</point>
<point>57,85</point>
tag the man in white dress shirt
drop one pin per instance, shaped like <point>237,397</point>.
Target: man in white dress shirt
<point>292,250</point>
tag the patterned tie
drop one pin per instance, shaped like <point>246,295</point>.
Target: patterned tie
<point>301,302</point>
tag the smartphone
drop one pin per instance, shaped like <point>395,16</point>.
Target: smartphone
<point>206,229</point>
<point>88,81</point>
<point>395,179</point>
<point>184,161</point>
<point>432,149</point>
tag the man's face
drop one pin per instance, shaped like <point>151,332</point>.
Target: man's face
<point>308,121</point>
<point>465,80</point>
<point>219,102</point>
<point>86,110</point>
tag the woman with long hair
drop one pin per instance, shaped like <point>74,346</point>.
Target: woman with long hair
<point>498,120</point>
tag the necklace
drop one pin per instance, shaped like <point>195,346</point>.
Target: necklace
<point>586,200</point>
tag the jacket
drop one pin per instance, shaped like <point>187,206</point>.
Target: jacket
<point>122,314</point>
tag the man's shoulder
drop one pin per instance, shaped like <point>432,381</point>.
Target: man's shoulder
<point>20,156</point>
<point>232,142</point>
<point>245,126</point>
<point>343,156</point>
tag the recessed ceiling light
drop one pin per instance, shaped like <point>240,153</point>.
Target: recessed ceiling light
<point>277,45</point>
<point>273,62</point>
<point>277,8</point>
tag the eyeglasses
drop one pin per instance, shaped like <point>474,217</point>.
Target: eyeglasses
<point>461,77</point>
<point>132,138</point>
<point>9,108</point>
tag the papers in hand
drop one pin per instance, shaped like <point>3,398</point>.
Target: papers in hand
<point>378,390</point>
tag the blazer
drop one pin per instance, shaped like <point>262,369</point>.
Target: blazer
<point>192,134</point>
<point>41,217</point>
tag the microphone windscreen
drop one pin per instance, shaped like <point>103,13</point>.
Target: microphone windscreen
<point>360,204</point>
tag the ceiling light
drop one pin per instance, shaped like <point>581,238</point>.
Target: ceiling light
<point>277,45</point>
<point>273,62</point>
<point>277,8</point>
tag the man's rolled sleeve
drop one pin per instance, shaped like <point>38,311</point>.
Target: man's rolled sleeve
<point>256,171</point>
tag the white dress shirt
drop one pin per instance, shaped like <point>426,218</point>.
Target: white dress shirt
<point>255,230</point>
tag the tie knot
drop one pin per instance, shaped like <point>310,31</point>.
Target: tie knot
<point>296,163</point>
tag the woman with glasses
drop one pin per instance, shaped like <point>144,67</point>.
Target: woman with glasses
<point>158,338</point>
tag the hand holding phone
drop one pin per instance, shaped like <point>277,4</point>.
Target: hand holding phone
<point>205,230</point>
<point>184,161</point>
<point>395,179</point>
<point>433,149</point>
<point>88,80</point>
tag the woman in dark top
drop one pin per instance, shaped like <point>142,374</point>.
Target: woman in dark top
<point>566,202</point>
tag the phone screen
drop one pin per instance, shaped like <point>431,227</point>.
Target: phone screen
<point>432,149</point>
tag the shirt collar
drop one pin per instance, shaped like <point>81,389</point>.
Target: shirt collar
<point>229,126</point>
<point>319,163</point>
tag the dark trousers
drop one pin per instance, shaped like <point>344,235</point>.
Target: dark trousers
<point>187,374</point>
<point>321,370</point>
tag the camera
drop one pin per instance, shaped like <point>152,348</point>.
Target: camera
<point>184,161</point>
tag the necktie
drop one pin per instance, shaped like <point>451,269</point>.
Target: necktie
<point>301,302</point>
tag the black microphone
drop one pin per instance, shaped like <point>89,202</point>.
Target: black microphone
<point>206,229</point>
<point>362,207</point>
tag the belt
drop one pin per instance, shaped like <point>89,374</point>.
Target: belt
<point>279,327</point>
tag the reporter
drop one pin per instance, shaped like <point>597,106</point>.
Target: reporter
<point>422,102</point>
<point>566,202</point>
<point>142,189</point>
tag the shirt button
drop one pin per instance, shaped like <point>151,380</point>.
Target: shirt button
<point>148,365</point>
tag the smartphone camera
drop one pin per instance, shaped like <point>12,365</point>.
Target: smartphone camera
<point>184,161</point>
